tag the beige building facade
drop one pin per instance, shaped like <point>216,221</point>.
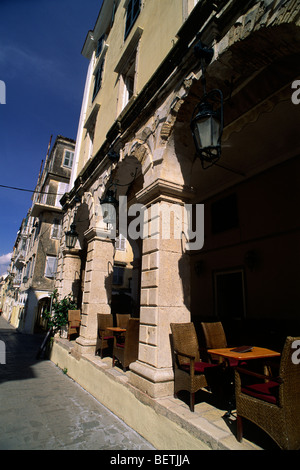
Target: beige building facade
<point>34,260</point>
<point>134,138</point>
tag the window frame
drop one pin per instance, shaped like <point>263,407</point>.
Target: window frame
<point>50,271</point>
<point>131,15</point>
<point>120,243</point>
<point>56,229</point>
<point>98,79</point>
<point>71,159</point>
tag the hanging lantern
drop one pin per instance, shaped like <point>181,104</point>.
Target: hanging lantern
<point>207,120</point>
<point>207,127</point>
<point>71,237</point>
<point>109,205</point>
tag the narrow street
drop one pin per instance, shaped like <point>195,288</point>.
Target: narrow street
<point>41,408</point>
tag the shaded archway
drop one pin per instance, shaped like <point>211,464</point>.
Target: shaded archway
<point>250,195</point>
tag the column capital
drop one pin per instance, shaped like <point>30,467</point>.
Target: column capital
<point>164,190</point>
<point>94,233</point>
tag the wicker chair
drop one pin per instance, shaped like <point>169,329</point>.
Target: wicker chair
<point>215,338</point>
<point>122,319</point>
<point>122,322</point>
<point>271,403</point>
<point>104,335</point>
<point>127,352</point>
<point>190,373</point>
<point>74,319</point>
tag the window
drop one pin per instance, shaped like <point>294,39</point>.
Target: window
<point>128,77</point>
<point>56,229</point>
<point>98,80</point>
<point>61,190</point>
<point>68,158</point>
<point>132,12</point>
<point>100,45</point>
<point>120,243</point>
<point>118,275</point>
<point>50,267</point>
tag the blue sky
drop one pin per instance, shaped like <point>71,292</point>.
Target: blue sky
<point>44,75</point>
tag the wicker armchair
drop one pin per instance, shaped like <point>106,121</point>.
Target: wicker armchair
<point>74,319</point>
<point>122,319</point>
<point>122,322</point>
<point>190,373</point>
<point>127,352</point>
<point>104,335</point>
<point>271,403</point>
<point>215,338</point>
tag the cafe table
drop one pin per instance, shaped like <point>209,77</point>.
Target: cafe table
<point>115,329</point>
<point>244,353</point>
<point>241,354</point>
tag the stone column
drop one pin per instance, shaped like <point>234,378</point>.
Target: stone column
<point>70,274</point>
<point>165,298</point>
<point>97,287</point>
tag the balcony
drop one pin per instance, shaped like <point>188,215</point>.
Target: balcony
<point>39,207</point>
<point>19,260</point>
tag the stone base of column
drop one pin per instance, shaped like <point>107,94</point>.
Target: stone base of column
<point>85,346</point>
<point>156,383</point>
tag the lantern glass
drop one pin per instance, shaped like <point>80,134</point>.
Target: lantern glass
<point>108,213</point>
<point>207,127</point>
<point>71,237</point>
<point>108,206</point>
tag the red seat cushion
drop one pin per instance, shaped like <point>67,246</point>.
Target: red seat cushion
<point>108,337</point>
<point>267,391</point>
<point>199,366</point>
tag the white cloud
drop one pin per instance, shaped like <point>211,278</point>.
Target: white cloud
<point>5,259</point>
<point>4,263</point>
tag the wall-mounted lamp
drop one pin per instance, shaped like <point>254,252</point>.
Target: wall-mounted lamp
<point>109,205</point>
<point>207,119</point>
<point>71,237</point>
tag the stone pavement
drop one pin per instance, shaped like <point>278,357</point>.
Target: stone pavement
<point>43,409</point>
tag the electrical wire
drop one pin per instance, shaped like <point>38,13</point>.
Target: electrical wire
<point>30,190</point>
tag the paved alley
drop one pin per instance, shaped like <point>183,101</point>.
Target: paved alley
<point>41,408</point>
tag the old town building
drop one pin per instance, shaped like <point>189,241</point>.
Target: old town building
<point>135,148</point>
<point>134,139</point>
<point>34,259</point>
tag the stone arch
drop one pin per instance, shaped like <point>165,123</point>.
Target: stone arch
<point>140,149</point>
<point>262,45</point>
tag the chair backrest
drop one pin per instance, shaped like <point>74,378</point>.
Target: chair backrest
<point>184,339</point>
<point>289,372</point>
<point>289,390</point>
<point>122,319</point>
<point>132,339</point>
<point>74,315</point>
<point>104,320</point>
<point>214,335</point>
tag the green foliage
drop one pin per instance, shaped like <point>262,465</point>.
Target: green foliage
<point>57,315</point>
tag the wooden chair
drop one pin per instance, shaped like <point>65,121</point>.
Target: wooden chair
<point>127,352</point>
<point>122,322</point>
<point>104,336</point>
<point>215,338</point>
<point>122,319</point>
<point>190,373</point>
<point>272,403</point>
<point>74,320</point>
